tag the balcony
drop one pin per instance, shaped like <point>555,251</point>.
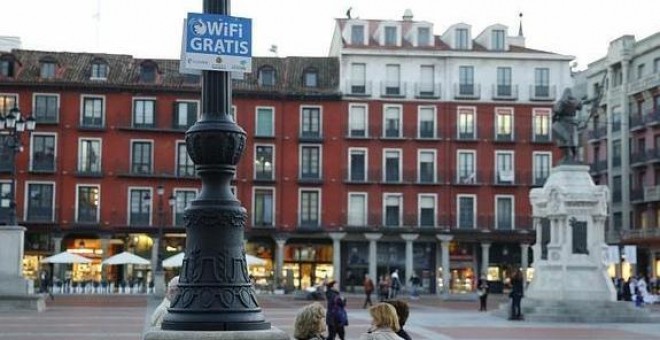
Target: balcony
<point>468,178</point>
<point>427,91</point>
<point>310,137</point>
<point>505,92</point>
<point>43,163</point>
<point>598,166</point>
<point>637,234</point>
<point>652,155</point>
<point>638,158</point>
<point>504,137</point>
<point>506,178</point>
<point>309,226</point>
<point>310,178</point>
<point>360,177</point>
<point>393,90</point>
<point>264,177</point>
<point>649,82</point>
<point>597,133</point>
<point>538,179</point>
<point>637,195</point>
<point>652,193</point>
<point>652,118</point>
<point>467,136</point>
<point>467,91</point>
<point>637,122</point>
<point>358,89</point>
<point>542,93</point>
<point>538,138</point>
<point>141,170</point>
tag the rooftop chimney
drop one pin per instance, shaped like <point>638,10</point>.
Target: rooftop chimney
<point>407,15</point>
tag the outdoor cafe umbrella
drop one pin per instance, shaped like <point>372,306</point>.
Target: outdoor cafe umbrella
<point>125,258</point>
<point>66,257</point>
<point>177,260</point>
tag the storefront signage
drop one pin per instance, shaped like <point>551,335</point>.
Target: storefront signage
<point>218,43</point>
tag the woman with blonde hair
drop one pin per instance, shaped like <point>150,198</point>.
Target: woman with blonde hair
<point>310,323</point>
<point>384,324</point>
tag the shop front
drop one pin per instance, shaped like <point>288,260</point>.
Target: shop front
<point>81,272</point>
<point>262,275</point>
<point>391,256</point>
<point>307,265</point>
<point>462,267</point>
<point>424,264</point>
<point>355,264</point>
<point>37,246</point>
<point>504,259</point>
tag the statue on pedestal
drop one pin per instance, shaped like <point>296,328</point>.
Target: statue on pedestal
<point>565,125</point>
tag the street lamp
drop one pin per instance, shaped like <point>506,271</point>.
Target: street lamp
<point>12,127</point>
<point>159,275</point>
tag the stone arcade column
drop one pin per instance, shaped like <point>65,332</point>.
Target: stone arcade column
<point>409,238</point>
<point>373,256</point>
<point>336,255</point>
<point>485,257</point>
<point>446,270</point>
<point>57,248</point>
<point>524,260</point>
<point>280,241</point>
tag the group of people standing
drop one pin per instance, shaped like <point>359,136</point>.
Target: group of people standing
<point>636,289</point>
<point>388,319</point>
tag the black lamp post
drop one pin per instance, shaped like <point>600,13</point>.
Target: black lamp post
<point>159,275</point>
<point>12,125</point>
<point>215,292</point>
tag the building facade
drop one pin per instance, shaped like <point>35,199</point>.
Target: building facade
<point>622,145</point>
<point>401,150</point>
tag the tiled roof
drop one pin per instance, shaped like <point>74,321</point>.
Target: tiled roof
<point>74,69</point>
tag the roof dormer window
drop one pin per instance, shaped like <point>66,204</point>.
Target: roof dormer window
<point>148,72</point>
<point>99,70</point>
<point>423,36</point>
<point>47,69</point>
<point>357,35</point>
<point>461,39</point>
<point>311,78</point>
<point>390,36</point>
<point>267,76</point>
<point>6,67</point>
<point>498,40</point>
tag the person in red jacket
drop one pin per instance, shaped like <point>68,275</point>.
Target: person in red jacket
<point>368,289</point>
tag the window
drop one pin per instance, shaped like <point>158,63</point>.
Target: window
<point>357,35</point>
<point>40,202</point>
<point>182,200</point>
<point>656,65</point>
<point>466,122</point>
<point>6,154</point>
<point>462,39</point>
<point>542,81</point>
<point>504,167</point>
<point>310,162</point>
<point>141,156</point>
<point>640,71</point>
<point>427,125</point>
<point>357,209</point>
<point>357,165</point>
<point>426,166</point>
<point>423,36</point>
<point>427,81</point>
<point>467,208</point>
<point>310,208</point>
<point>616,119</point>
<point>393,78</point>
<point>99,70</point>
<point>498,40</point>
<point>6,196</point>
<point>89,156</point>
<point>265,122</point>
<point>46,108</point>
<point>504,82</point>
<point>541,125</point>
<point>6,67</point>
<point>427,206</point>
<point>542,164</point>
<point>311,78</point>
<point>143,112</point>
<point>616,153</point>
<point>267,76</point>
<point>393,209</point>
<point>392,166</point>
<point>466,80</point>
<point>7,102</point>
<point>504,124</point>
<point>140,206</point>
<point>310,124</point>
<point>392,121</point>
<point>264,207</point>
<point>185,114</point>
<point>466,167</point>
<point>184,164</point>
<point>88,204</point>
<point>93,112</point>
<point>148,72</point>
<point>616,189</point>
<point>504,212</point>
<point>357,120</point>
<point>263,162</point>
<point>43,152</point>
<point>390,36</point>
<point>47,70</point>
<point>358,78</point>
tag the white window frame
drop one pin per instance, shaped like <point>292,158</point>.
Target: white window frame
<point>253,205</point>
<point>419,120</point>
<point>474,210</point>
<point>197,114</point>
<point>474,167</point>
<point>128,203</point>
<point>176,156</point>
<point>365,151</point>
<point>17,98</point>
<point>174,208</point>
<point>537,111</point>
<point>26,197</point>
<point>400,153</point>
<point>254,158</point>
<point>365,35</point>
<point>398,107</point>
<point>400,197</point>
<point>513,210</point>
<point>397,32</point>
<point>366,118</point>
<point>98,208</point>
<point>534,165</point>
<point>365,210</point>
<point>100,156</point>
<point>44,134</point>
<point>300,122</point>
<point>57,95</point>
<point>256,120</point>
<point>318,204</point>
<point>473,109</point>
<point>513,164</point>
<point>153,151</point>
<point>504,111</point>
<point>419,164</point>
<point>300,158</point>
<point>233,115</point>
<point>435,208</point>
<point>103,107</point>
<point>155,113</point>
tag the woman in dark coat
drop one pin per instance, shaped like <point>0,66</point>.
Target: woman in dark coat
<point>336,318</point>
<point>516,295</point>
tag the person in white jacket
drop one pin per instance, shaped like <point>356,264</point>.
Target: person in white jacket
<point>161,310</point>
<point>384,324</point>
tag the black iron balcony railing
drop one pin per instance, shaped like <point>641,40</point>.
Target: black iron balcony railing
<point>653,117</point>
<point>542,92</point>
<point>427,91</point>
<point>467,91</point>
<point>390,89</point>
<point>636,122</point>
<point>598,133</point>
<point>358,89</point>
<point>637,195</point>
<point>505,92</point>
<point>598,166</point>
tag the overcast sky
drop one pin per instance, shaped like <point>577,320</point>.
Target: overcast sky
<point>152,28</point>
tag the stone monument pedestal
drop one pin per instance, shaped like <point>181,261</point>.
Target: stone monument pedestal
<point>570,282</point>
<point>15,291</point>
<point>158,334</point>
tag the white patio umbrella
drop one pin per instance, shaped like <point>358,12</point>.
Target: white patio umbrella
<point>125,258</point>
<point>66,257</point>
<point>177,260</point>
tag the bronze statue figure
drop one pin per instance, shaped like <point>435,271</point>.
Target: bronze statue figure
<point>565,125</point>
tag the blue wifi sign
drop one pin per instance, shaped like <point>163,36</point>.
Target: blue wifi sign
<point>218,43</point>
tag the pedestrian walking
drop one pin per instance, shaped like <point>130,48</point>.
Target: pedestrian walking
<point>415,282</point>
<point>336,317</point>
<point>368,289</point>
<point>516,295</point>
<point>384,323</point>
<point>383,288</point>
<point>395,284</point>
<point>161,310</point>
<point>482,291</point>
<point>44,283</point>
<point>402,312</point>
<point>310,323</point>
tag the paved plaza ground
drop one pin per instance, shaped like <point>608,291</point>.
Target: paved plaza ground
<point>123,317</point>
